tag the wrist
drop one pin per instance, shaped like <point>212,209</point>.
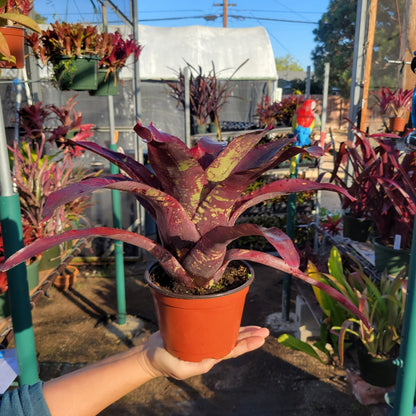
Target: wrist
<point>145,366</point>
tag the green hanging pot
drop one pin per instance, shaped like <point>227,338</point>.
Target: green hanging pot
<point>76,73</point>
<point>106,86</point>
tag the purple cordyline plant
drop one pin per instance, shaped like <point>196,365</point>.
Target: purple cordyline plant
<point>195,197</point>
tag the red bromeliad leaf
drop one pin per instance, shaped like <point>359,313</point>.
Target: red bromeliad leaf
<point>180,174</point>
<point>231,156</point>
<point>279,264</point>
<point>76,190</point>
<point>219,202</point>
<point>281,187</point>
<point>207,150</point>
<point>126,163</point>
<point>208,254</point>
<point>177,231</point>
<point>166,259</point>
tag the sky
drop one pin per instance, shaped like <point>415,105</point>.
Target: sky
<point>288,23</point>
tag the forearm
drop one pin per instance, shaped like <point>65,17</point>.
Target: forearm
<point>88,391</point>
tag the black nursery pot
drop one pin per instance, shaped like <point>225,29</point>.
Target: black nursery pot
<point>377,371</point>
<point>357,229</point>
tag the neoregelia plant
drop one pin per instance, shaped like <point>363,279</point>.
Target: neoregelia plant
<point>195,197</point>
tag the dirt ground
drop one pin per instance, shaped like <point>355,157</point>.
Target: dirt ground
<point>74,328</point>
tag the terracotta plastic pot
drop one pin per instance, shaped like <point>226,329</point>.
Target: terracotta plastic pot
<point>67,278</point>
<point>15,39</point>
<point>397,124</point>
<point>198,327</point>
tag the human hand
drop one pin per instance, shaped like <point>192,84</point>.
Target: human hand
<point>159,362</point>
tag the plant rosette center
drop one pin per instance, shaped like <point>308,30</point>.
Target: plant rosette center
<point>235,275</point>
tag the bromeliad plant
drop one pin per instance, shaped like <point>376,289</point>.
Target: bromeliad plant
<point>113,52</point>
<point>195,197</point>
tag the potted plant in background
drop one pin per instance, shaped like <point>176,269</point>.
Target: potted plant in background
<point>277,113</point>
<point>352,170</point>
<point>395,105</point>
<point>381,301</point>
<point>382,181</point>
<point>113,52</point>
<point>194,195</point>
<point>37,170</point>
<point>14,12</point>
<point>198,96</point>
<point>72,50</point>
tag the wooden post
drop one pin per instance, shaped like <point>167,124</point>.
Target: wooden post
<point>409,43</point>
<point>368,57</point>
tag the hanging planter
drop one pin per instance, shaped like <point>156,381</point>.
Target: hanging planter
<point>15,40</point>
<point>76,73</point>
<point>195,327</point>
<point>107,84</point>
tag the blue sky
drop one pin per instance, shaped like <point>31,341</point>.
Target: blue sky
<point>295,39</point>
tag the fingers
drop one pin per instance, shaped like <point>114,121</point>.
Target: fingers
<point>249,339</point>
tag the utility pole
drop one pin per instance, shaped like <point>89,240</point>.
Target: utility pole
<point>225,6</point>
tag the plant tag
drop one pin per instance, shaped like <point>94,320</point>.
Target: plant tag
<point>8,368</point>
<point>397,241</point>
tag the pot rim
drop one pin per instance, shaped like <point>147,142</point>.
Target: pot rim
<point>209,296</point>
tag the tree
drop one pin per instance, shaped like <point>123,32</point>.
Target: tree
<point>335,38</point>
<point>335,44</point>
<point>287,63</point>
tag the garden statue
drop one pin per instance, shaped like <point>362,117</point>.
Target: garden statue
<point>303,123</point>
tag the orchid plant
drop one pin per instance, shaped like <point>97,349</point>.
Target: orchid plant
<point>195,197</point>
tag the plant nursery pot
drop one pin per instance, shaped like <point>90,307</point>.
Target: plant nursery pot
<point>4,305</point>
<point>197,327</point>
<point>213,128</point>
<point>15,39</point>
<point>50,259</point>
<point>79,73</point>
<point>357,229</point>
<point>32,271</point>
<point>67,278</point>
<point>201,128</point>
<point>386,257</point>
<point>377,371</point>
<point>106,86</point>
<point>397,124</point>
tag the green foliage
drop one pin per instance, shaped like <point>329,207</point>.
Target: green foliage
<point>335,38</point>
<point>335,43</point>
<point>287,63</point>
<point>296,344</point>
